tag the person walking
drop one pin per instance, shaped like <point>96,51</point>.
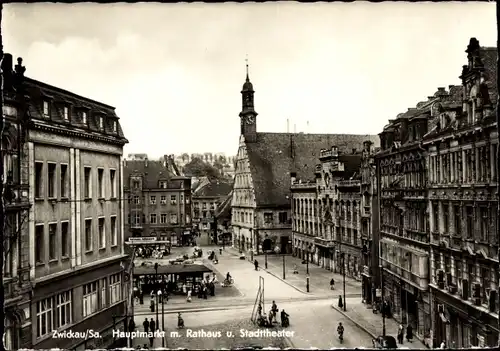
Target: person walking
<point>145,324</point>
<point>332,284</point>
<point>409,333</point>
<point>401,334</point>
<point>152,325</point>
<point>256,264</point>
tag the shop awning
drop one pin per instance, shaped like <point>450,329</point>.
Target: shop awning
<point>172,269</point>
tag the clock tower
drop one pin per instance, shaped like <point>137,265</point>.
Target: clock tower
<point>248,116</point>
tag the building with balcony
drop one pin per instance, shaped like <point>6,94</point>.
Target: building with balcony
<point>206,200</point>
<point>158,203</point>
<point>369,223</point>
<point>76,258</point>
<point>16,269</point>
<point>261,204</point>
<point>462,204</point>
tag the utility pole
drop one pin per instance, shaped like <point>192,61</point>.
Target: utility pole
<point>498,163</point>
<point>2,209</point>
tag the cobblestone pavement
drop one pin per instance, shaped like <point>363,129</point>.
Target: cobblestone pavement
<point>371,323</point>
<point>313,324</point>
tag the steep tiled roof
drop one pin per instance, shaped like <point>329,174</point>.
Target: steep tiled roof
<point>224,209</point>
<point>152,172</point>
<point>274,155</point>
<point>59,98</point>
<point>214,189</point>
<point>489,58</point>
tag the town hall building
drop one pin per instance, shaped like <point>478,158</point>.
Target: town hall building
<point>261,203</point>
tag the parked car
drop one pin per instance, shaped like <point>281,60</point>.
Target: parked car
<point>385,342</point>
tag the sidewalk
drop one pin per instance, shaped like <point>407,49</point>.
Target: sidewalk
<point>371,323</point>
<point>319,278</point>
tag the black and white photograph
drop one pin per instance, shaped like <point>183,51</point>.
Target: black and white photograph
<point>249,175</point>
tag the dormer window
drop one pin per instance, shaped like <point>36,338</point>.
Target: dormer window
<point>66,113</point>
<point>84,117</point>
<point>101,122</point>
<point>114,127</point>
<point>46,109</point>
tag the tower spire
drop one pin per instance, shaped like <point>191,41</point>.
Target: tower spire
<point>246,61</point>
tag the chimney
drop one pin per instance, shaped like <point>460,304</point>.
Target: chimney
<point>7,69</point>
<point>293,177</point>
<point>146,162</point>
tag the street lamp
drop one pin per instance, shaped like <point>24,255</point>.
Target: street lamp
<point>307,260</point>
<point>251,244</point>
<point>343,277</point>
<point>155,286</point>
<point>265,254</point>
<point>162,316</point>
<point>382,296</point>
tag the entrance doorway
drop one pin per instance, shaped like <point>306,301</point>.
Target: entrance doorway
<point>267,245</point>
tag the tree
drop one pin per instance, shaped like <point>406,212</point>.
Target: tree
<point>198,168</point>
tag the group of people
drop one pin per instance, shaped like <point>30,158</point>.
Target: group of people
<point>401,333</point>
<point>152,253</point>
<point>267,321</point>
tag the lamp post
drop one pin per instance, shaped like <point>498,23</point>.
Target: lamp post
<point>382,296</point>
<point>307,260</point>
<point>265,263</point>
<point>251,244</point>
<point>343,279</point>
<point>162,316</point>
<point>284,267</point>
<point>155,286</point>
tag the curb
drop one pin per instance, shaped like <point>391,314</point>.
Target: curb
<point>191,310</point>
<point>287,283</point>
<point>362,327</point>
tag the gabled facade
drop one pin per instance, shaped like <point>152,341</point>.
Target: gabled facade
<point>206,202</point>
<point>462,197</point>
<point>158,204</point>
<point>261,212</point>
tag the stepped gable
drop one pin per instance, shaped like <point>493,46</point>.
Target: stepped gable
<point>273,156</point>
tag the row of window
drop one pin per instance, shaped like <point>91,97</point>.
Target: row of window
<point>52,181</point>
<point>477,165</point>
<point>164,218</point>
<point>163,200</point>
<point>57,312</point>
<point>477,222</point>
<point>82,114</point>
<point>136,184</point>
<point>205,205</point>
<point>59,239</point>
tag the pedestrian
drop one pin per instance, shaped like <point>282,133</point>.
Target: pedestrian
<point>401,334</point>
<point>145,324</point>
<point>340,301</point>
<point>443,345</point>
<point>332,284</point>
<point>152,325</point>
<point>189,296</point>
<point>256,264</point>
<point>152,305</point>
<point>220,251</point>
<point>131,325</point>
<point>295,269</point>
<point>409,333</point>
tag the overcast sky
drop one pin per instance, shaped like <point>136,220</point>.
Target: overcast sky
<point>174,72</point>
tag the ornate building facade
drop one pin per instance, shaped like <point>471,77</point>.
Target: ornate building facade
<point>16,270</point>
<point>462,202</point>
<point>404,227</point>
<point>261,204</point>
<point>369,223</point>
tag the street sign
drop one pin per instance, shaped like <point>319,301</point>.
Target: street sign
<point>378,292</point>
<point>141,238</point>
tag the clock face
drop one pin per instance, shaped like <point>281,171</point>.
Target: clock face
<point>250,119</point>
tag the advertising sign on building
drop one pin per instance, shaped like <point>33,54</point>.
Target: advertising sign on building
<point>378,292</point>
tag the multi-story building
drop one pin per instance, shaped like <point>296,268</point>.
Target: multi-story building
<point>76,259</point>
<point>306,219</point>
<point>158,203</point>
<point>369,223</point>
<point>206,200</point>
<point>261,204</point>
<point>16,268</point>
<point>223,217</point>
<point>404,240</point>
<point>462,204</point>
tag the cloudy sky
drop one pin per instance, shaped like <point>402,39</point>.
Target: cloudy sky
<point>174,71</point>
